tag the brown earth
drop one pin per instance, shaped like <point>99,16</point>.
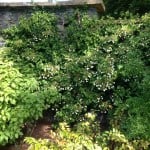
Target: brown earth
<point>41,129</point>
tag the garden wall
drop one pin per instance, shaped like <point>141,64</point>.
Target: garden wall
<point>11,12</point>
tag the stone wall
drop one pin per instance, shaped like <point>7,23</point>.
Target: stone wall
<point>10,16</point>
<point>11,12</point>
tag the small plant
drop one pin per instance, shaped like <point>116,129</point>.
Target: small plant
<point>113,139</point>
<point>66,138</point>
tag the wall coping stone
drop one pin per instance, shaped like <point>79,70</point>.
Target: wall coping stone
<point>98,4</point>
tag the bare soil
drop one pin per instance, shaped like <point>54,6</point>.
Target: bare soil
<point>41,129</point>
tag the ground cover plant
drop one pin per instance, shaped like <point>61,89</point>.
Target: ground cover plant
<point>96,68</point>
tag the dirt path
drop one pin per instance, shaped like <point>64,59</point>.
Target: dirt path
<point>40,130</point>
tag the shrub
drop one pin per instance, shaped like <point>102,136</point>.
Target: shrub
<point>67,138</point>
<point>134,6</point>
<point>24,92</point>
<point>78,139</point>
<point>98,65</point>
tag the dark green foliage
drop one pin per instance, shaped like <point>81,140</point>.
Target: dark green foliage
<point>134,6</point>
<point>97,65</point>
